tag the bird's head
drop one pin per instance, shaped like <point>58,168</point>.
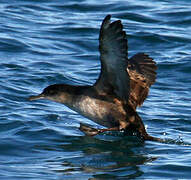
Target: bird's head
<point>57,92</point>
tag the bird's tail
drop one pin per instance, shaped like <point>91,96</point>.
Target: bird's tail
<point>142,131</point>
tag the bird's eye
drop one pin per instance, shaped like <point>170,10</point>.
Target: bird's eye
<point>48,91</point>
<point>51,92</point>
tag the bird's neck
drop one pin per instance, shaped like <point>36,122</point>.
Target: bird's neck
<point>69,94</point>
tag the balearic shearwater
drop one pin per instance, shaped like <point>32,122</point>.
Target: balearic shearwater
<point>123,84</point>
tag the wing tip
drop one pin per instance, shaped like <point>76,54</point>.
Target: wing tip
<point>108,17</point>
<point>106,22</point>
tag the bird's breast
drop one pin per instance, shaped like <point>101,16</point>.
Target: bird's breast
<point>102,112</point>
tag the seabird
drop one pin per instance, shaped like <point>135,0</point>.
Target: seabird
<point>122,86</point>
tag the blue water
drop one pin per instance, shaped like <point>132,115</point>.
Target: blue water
<point>47,42</point>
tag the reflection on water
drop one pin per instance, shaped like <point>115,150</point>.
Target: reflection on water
<point>105,159</point>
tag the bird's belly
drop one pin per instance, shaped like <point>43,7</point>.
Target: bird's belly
<point>102,112</point>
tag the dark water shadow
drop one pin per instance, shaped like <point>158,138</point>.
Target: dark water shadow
<point>102,158</point>
<point>106,156</point>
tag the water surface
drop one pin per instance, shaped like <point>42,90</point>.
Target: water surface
<point>47,42</point>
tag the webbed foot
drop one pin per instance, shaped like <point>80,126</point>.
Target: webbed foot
<point>87,130</point>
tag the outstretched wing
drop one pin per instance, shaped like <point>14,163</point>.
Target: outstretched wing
<point>142,72</point>
<point>113,53</point>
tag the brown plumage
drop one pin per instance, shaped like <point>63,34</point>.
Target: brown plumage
<point>123,84</point>
<point>142,73</point>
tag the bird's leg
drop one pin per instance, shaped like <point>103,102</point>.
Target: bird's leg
<point>92,131</point>
<point>108,129</point>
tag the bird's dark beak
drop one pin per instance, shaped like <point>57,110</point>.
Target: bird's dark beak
<point>40,96</point>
